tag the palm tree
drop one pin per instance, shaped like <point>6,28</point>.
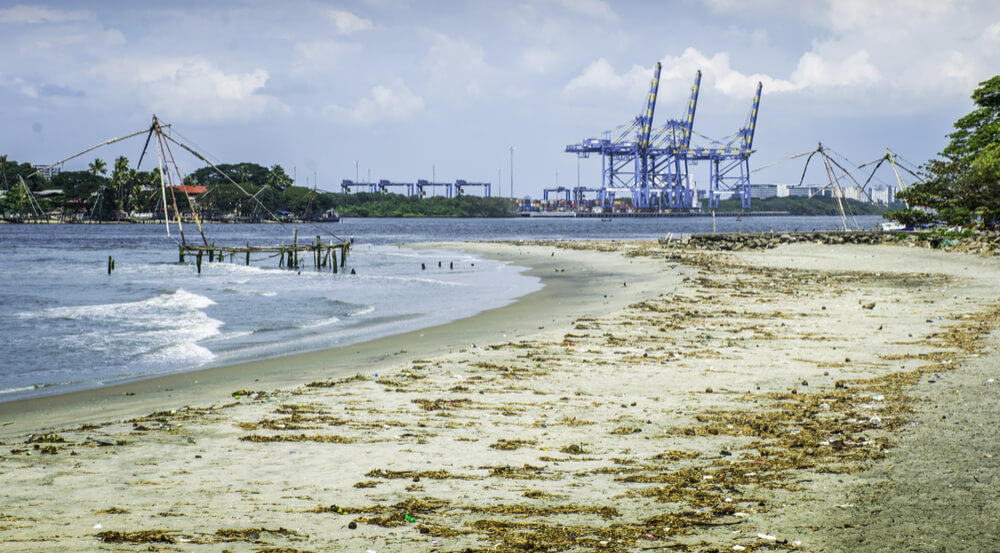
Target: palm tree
<point>98,167</point>
<point>120,176</point>
<point>3,169</point>
<point>277,178</point>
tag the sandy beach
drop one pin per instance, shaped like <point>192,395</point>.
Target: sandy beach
<point>650,397</point>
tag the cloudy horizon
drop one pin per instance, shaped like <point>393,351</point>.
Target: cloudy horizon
<point>407,89</point>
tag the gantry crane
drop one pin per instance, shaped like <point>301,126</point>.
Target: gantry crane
<point>653,167</point>
<point>346,186</point>
<point>461,185</point>
<point>562,190</point>
<point>729,162</point>
<point>384,186</point>
<point>423,183</point>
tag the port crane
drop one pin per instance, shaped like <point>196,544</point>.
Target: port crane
<point>461,185</point>
<point>424,183</point>
<point>652,167</point>
<point>561,190</point>
<point>384,186</point>
<point>347,186</point>
<point>729,161</point>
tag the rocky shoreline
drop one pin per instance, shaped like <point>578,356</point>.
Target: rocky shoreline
<point>982,243</point>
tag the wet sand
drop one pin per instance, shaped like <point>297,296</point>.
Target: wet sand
<point>648,398</point>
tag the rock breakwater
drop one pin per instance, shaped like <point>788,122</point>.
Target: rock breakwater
<point>985,243</point>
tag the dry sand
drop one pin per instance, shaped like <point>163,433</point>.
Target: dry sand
<point>810,397</point>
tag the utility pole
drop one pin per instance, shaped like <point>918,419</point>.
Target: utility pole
<point>511,171</point>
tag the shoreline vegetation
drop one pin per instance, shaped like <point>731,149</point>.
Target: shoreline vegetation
<point>301,204</point>
<point>679,395</point>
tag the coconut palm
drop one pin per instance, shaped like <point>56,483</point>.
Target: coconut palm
<point>3,169</point>
<point>98,167</point>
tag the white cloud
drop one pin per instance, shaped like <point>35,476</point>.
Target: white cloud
<point>814,74</point>
<point>591,8</point>
<point>194,88</point>
<point>814,71</point>
<point>886,16</point>
<point>395,101</point>
<point>321,55</point>
<point>600,77</point>
<point>347,23</point>
<point>992,34</point>
<point>538,60</point>
<point>456,69</point>
<point>25,14</point>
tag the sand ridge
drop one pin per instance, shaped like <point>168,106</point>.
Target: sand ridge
<point>717,402</point>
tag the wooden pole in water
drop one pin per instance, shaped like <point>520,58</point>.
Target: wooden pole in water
<point>295,247</point>
<point>343,253</point>
<point>333,257</point>
<point>110,264</point>
<point>211,255</point>
<point>248,253</point>
<point>180,249</point>
<point>199,261</point>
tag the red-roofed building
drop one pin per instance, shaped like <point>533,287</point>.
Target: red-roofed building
<point>192,190</point>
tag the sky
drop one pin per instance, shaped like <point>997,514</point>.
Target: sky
<point>408,89</point>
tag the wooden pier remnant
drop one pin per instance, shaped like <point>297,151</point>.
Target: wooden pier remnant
<point>288,256</point>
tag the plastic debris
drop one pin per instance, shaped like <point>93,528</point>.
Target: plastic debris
<point>738,548</point>
<point>767,537</point>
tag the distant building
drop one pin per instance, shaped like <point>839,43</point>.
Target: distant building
<point>46,171</point>
<point>763,191</point>
<point>808,191</point>
<point>883,195</point>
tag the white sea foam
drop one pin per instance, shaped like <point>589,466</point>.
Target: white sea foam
<point>162,329</point>
<point>180,354</point>
<point>17,390</point>
<point>179,301</point>
<point>415,280</point>
<point>248,292</point>
<point>319,323</point>
<point>363,311</point>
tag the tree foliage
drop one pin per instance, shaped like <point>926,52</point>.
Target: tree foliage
<point>799,205</point>
<point>966,180</point>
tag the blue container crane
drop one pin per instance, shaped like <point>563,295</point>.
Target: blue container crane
<point>347,186</point>
<point>559,190</point>
<point>423,183</point>
<point>652,167</point>
<point>729,161</point>
<point>384,186</point>
<point>461,185</point>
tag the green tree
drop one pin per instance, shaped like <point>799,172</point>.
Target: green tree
<point>966,180</point>
<point>98,167</point>
<point>3,169</point>
<point>277,178</point>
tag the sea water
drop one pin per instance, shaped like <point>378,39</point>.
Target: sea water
<point>66,324</point>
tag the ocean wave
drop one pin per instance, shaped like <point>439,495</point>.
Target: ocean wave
<point>415,280</point>
<point>318,323</point>
<point>184,354</point>
<point>247,292</point>
<point>179,301</point>
<point>363,311</point>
